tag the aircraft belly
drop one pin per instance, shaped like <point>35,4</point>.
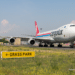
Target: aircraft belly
<point>47,39</point>
<point>62,38</point>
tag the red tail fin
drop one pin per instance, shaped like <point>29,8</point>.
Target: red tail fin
<point>37,30</point>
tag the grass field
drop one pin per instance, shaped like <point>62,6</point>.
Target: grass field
<point>47,61</point>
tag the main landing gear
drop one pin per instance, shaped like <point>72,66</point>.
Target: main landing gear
<point>59,45</point>
<point>71,45</point>
<point>51,45</point>
<point>45,45</point>
<point>40,45</point>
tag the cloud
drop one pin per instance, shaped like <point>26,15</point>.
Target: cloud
<point>4,22</point>
<point>5,27</point>
<point>73,22</point>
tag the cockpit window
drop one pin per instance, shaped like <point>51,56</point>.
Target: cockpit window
<point>72,25</point>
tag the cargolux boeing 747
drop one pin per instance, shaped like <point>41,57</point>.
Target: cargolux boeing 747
<point>63,34</point>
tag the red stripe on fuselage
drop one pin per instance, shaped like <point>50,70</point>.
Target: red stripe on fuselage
<point>42,34</point>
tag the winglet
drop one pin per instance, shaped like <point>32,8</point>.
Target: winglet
<point>37,30</point>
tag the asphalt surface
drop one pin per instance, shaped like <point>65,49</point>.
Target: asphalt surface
<point>64,47</point>
<point>55,47</point>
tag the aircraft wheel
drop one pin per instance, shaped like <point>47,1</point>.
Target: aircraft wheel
<point>40,45</point>
<point>51,45</point>
<point>59,45</point>
<point>45,45</point>
<point>71,46</point>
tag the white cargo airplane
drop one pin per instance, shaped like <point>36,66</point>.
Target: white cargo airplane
<point>63,34</point>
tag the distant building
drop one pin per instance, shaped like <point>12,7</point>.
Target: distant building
<point>17,41</point>
<point>1,43</point>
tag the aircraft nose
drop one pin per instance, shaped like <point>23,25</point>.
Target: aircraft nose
<point>72,32</point>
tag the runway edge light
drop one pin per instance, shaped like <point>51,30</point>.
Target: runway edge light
<point>17,54</point>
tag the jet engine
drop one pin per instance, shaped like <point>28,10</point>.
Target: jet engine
<point>12,40</point>
<point>31,41</point>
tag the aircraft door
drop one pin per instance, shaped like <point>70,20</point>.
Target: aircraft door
<point>66,35</point>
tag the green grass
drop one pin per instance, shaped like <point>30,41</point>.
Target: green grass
<point>47,61</point>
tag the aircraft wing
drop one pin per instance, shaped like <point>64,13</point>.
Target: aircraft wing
<point>43,39</point>
<point>14,37</point>
<point>38,37</point>
<point>47,39</point>
<point>5,37</point>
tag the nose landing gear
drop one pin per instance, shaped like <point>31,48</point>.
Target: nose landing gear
<point>71,45</point>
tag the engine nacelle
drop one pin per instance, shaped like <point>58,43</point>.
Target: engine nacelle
<point>12,40</point>
<point>31,41</point>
